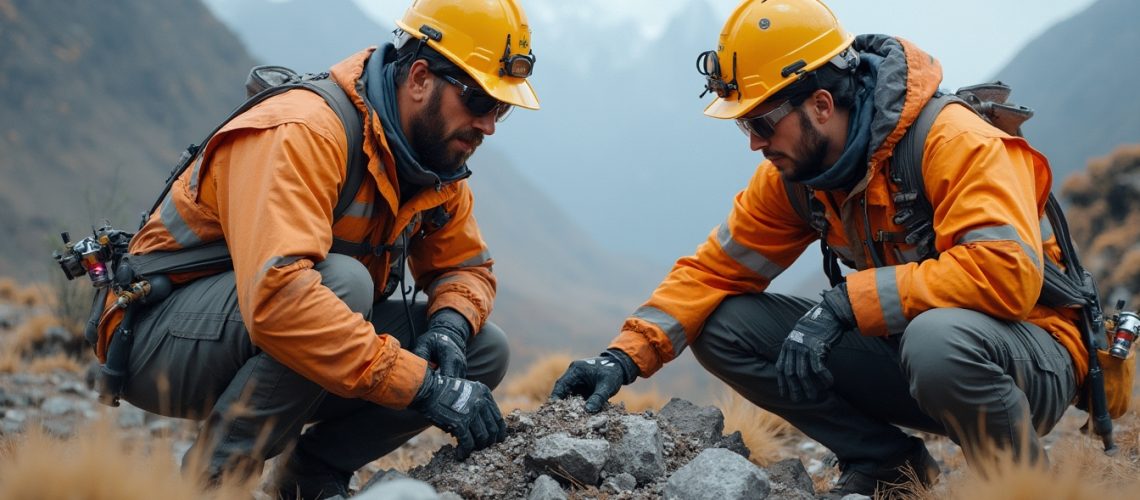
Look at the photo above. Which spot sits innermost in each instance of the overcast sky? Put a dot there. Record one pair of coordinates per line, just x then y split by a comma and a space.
972, 38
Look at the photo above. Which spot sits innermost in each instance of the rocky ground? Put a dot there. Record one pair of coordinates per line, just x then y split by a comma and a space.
555, 450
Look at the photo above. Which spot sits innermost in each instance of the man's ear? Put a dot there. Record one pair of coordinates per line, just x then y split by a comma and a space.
420, 81
822, 105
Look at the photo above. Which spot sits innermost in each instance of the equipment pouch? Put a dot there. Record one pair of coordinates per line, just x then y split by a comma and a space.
1118, 378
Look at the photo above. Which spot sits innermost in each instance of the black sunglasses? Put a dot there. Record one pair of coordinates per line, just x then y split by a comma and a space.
764, 126
478, 102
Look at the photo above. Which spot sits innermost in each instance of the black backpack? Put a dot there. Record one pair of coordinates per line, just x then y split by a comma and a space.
1071, 288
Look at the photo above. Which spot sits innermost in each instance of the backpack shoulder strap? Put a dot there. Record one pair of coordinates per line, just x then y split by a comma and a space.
215, 255
914, 211
356, 166
811, 211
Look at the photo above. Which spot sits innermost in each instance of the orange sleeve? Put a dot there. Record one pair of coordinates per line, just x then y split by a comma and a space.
762, 236
454, 263
987, 190
276, 189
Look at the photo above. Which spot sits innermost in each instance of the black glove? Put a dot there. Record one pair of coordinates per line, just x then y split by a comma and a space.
445, 343
597, 378
462, 408
800, 369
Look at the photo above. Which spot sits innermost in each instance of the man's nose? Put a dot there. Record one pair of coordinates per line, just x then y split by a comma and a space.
486, 123
756, 142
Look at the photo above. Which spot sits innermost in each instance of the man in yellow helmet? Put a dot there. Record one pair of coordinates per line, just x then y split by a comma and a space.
953, 343
300, 331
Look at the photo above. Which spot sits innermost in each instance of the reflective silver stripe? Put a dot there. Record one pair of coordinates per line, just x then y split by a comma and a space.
666, 323
440, 282
478, 260
194, 173
175, 225
746, 257
889, 301
1001, 233
357, 209
1046, 229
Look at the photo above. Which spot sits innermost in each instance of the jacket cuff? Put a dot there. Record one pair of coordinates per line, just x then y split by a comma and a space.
403, 380
638, 348
462, 306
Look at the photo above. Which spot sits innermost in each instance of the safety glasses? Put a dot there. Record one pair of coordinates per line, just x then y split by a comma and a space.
480, 103
708, 64
764, 126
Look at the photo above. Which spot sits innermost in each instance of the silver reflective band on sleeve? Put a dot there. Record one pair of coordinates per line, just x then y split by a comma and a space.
441, 281
1001, 233
1046, 229
666, 323
175, 225
194, 174
746, 257
478, 260
889, 301
357, 209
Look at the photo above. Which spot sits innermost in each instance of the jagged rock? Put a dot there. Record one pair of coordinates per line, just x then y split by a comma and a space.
735, 443
618, 483
402, 488
58, 428
17, 416
792, 474
639, 451
720, 474
546, 488
703, 423
383, 476
855, 496
598, 423
130, 416
58, 406
575, 459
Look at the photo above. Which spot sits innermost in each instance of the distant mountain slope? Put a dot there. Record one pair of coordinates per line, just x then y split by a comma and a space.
97, 100
1080, 76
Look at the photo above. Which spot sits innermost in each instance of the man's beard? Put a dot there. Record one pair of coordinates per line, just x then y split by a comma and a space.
808, 162
430, 140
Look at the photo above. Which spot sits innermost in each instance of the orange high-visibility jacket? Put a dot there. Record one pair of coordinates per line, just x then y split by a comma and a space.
268, 183
988, 190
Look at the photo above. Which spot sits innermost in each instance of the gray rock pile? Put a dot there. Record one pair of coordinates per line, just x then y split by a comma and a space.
560, 451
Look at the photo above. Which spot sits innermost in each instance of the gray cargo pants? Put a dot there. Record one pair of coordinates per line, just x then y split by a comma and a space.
192, 358
954, 372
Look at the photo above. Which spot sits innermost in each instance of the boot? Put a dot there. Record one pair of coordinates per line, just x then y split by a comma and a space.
914, 463
305, 477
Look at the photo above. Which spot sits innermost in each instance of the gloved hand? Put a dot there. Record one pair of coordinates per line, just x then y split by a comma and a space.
597, 378
445, 343
462, 408
800, 369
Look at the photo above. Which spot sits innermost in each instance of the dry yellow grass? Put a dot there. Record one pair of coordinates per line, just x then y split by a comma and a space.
765, 434
52, 363
10, 361
8, 289
31, 331
528, 390
98, 465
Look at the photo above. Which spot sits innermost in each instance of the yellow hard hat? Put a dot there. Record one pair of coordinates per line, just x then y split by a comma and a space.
487, 39
765, 46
